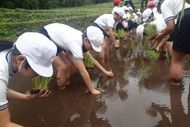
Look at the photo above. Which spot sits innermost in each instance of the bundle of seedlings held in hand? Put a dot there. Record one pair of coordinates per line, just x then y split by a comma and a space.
88, 61
121, 34
151, 55
39, 83
150, 31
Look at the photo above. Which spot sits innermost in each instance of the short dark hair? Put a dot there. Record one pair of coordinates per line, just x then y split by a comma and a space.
5, 44
16, 52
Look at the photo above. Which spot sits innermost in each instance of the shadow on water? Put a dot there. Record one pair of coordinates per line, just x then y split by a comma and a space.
139, 95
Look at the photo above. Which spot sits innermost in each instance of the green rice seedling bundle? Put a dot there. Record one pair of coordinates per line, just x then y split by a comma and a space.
88, 61
150, 31
144, 72
39, 83
121, 33
151, 55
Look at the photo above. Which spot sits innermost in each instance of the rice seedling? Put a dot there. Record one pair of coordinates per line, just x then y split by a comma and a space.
133, 45
88, 61
151, 55
150, 31
39, 83
121, 33
143, 72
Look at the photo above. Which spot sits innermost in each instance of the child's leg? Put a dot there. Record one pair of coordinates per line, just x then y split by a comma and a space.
61, 71
176, 65
66, 58
5, 119
71, 68
169, 47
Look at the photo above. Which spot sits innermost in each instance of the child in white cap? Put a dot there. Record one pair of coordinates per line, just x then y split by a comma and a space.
147, 17
31, 55
73, 44
150, 18
106, 24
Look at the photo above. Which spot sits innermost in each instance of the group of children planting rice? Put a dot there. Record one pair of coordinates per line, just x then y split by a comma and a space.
66, 49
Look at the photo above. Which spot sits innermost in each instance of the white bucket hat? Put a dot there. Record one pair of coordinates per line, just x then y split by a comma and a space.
146, 14
39, 52
95, 36
120, 11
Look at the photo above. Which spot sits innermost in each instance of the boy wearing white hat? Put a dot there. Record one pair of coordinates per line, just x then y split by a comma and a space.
106, 24
147, 17
31, 55
73, 44
157, 20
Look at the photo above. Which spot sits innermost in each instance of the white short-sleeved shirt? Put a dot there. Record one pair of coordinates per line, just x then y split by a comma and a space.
105, 21
4, 77
171, 8
66, 37
140, 31
159, 22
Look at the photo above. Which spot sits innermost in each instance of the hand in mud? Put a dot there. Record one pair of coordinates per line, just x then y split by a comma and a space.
95, 92
41, 93
109, 73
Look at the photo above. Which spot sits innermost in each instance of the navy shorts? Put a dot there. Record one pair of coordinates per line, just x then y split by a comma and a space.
181, 36
103, 31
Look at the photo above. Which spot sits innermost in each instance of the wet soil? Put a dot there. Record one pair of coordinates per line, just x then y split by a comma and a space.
132, 98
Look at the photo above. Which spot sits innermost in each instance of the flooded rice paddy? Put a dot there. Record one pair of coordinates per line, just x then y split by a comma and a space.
139, 95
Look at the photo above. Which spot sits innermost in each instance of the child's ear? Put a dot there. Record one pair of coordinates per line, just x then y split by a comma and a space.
86, 40
20, 58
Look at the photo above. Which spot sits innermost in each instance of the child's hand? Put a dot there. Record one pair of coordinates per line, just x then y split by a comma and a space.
109, 73
41, 93
158, 38
95, 92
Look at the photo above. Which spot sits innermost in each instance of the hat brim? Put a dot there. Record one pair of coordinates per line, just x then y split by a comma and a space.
145, 19
97, 49
45, 71
124, 16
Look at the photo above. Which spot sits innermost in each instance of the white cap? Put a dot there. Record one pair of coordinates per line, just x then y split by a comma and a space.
156, 2
39, 52
125, 8
95, 36
119, 11
138, 12
130, 8
146, 14
113, 10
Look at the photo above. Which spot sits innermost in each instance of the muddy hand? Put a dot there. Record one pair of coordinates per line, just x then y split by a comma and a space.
42, 93
158, 38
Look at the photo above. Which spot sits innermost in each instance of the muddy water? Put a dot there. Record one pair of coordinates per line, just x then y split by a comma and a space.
126, 100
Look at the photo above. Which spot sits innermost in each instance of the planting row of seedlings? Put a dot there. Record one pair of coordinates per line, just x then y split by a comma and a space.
140, 49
